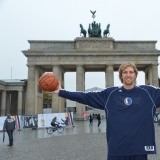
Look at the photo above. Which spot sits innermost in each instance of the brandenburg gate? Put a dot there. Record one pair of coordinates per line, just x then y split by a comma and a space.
95, 53
84, 55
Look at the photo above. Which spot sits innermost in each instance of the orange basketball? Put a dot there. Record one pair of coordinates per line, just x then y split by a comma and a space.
48, 82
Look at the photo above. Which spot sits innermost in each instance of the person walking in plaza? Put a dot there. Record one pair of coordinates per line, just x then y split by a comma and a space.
9, 126
129, 111
99, 119
90, 120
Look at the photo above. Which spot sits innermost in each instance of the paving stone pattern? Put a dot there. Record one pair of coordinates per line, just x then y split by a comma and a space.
79, 145
68, 147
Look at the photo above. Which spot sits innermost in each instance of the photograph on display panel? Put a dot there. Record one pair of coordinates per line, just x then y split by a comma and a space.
28, 121
64, 119
40, 120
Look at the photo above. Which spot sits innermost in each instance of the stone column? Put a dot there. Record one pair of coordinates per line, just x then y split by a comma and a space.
109, 76
13, 106
38, 91
62, 100
148, 75
19, 109
30, 94
8, 103
155, 75
79, 87
3, 103
56, 105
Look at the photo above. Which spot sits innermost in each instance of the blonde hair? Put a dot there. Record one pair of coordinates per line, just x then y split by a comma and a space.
123, 66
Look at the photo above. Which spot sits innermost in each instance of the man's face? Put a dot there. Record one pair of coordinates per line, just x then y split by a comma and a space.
128, 76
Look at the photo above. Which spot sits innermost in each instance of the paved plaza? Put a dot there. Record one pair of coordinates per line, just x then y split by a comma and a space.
78, 143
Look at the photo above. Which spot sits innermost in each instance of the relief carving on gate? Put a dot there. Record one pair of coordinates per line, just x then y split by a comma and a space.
94, 44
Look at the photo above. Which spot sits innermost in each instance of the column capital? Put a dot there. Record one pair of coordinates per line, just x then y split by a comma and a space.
56, 65
31, 65
109, 68
80, 68
79, 65
3, 90
154, 64
109, 65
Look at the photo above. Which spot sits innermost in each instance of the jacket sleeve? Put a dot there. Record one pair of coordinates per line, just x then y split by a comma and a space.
4, 126
154, 92
93, 99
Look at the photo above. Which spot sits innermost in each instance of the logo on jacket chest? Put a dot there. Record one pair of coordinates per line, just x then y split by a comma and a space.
10, 120
127, 101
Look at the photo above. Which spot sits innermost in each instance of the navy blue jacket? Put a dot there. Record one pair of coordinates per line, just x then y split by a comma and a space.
129, 116
9, 124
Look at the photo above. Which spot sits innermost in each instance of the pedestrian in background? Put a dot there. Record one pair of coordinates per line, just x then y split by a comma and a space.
9, 126
99, 119
90, 120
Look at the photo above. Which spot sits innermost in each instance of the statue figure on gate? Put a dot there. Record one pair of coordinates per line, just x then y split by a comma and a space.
93, 14
106, 31
94, 30
83, 31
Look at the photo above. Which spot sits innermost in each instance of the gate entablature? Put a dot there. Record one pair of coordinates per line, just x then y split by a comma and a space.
89, 44
83, 51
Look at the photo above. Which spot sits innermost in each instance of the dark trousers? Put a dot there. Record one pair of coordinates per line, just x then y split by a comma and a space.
10, 135
99, 122
90, 123
132, 157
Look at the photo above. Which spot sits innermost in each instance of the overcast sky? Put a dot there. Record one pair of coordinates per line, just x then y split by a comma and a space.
23, 20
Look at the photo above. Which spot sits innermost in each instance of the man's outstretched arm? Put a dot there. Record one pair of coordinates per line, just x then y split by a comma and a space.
94, 99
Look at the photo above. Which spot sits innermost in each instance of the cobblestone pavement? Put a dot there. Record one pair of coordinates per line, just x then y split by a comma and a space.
78, 143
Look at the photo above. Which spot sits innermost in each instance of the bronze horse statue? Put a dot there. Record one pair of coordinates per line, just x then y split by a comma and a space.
106, 31
89, 31
83, 31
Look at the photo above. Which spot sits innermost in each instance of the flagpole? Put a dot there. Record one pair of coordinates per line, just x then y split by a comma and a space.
11, 72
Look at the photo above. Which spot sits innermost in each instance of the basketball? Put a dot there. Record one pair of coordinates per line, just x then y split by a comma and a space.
48, 82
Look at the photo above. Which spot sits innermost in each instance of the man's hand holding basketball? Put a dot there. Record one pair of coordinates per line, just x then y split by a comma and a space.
58, 88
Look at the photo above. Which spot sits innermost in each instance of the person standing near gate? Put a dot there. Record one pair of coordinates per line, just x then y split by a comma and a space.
9, 126
99, 119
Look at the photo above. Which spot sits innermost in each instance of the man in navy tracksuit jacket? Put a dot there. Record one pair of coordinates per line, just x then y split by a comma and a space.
129, 111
